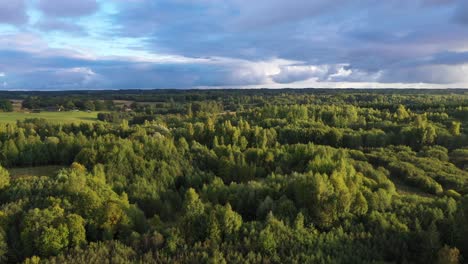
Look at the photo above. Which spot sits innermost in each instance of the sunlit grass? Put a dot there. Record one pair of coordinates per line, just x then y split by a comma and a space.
34, 171
54, 117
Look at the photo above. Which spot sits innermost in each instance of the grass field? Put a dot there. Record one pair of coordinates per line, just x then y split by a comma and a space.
34, 171
55, 117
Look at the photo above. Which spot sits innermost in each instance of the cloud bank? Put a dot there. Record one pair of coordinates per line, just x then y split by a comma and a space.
124, 44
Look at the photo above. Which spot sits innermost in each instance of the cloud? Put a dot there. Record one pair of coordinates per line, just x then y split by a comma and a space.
438, 2
21, 41
60, 8
13, 12
73, 78
461, 12
254, 13
450, 58
59, 25
318, 32
2, 74
436, 74
233, 43
50, 68
294, 73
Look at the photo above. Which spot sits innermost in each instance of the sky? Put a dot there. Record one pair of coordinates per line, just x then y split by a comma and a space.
152, 44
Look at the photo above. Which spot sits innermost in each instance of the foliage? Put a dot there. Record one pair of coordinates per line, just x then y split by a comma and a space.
251, 176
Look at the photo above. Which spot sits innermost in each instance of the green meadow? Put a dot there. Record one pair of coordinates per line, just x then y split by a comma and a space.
54, 117
34, 171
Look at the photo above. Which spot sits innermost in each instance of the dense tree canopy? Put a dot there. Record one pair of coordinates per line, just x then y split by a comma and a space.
235, 176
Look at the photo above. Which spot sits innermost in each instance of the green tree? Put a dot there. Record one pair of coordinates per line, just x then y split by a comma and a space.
231, 221
193, 206
50, 231
402, 113
6, 105
11, 152
4, 178
267, 240
455, 128
360, 206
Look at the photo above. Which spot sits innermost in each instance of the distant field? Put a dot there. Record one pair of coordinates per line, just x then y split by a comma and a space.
17, 104
34, 171
120, 103
57, 117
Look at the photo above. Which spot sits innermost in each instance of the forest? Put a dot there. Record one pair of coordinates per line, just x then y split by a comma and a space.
237, 176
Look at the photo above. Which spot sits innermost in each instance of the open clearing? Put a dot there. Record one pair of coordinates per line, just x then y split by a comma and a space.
34, 171
55, 117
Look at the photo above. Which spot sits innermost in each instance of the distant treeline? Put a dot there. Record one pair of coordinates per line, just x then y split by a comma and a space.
6, 105
66, 103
